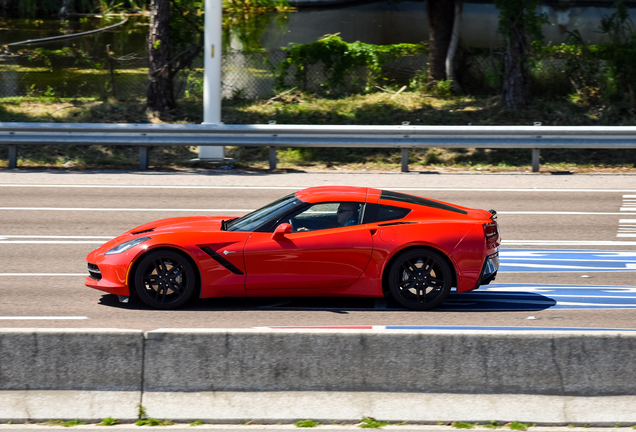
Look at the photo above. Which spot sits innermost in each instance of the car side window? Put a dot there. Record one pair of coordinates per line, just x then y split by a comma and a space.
325, 216
380, 213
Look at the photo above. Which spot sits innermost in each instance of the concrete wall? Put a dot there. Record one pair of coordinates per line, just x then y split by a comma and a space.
267, 375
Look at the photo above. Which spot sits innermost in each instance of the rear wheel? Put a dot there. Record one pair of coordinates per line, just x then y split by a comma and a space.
420, 279
165, 279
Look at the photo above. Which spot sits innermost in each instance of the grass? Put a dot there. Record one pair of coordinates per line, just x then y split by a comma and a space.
153, 422
108, 421
463, 425
306, 423
298, 108
371, 423
518, 426
65, 423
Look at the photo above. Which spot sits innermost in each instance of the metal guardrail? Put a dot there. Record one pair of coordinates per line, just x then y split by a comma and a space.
273, 136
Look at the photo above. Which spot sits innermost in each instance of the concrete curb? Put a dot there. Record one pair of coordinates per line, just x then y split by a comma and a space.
206, 427
264, 375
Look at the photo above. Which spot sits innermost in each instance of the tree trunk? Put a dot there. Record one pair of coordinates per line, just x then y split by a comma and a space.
452, 48
441, 15
160, 90
515, 73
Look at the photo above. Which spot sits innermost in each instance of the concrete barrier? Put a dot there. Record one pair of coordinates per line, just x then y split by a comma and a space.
270, 376
68, 373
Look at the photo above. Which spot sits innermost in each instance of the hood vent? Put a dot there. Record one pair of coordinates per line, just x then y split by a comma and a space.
143, 231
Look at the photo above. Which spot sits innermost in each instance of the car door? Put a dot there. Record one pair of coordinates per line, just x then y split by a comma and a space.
321, 258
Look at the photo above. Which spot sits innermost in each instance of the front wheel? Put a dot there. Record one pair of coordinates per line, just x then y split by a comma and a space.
420, 279
165, 279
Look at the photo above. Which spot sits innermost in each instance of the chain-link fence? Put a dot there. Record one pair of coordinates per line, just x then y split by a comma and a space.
245, 75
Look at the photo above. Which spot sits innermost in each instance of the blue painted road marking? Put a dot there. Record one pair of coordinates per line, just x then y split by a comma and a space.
561, 260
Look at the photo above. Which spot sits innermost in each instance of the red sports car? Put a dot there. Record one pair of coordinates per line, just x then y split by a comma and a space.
322, 241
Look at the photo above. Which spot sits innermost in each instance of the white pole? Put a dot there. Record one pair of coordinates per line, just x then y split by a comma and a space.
212, 74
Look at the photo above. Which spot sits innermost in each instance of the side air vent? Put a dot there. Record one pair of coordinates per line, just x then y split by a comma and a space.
396, 223
143, 231
218, 258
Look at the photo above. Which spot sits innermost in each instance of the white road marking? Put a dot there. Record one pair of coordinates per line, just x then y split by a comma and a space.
44, 274
24, 239
298, 188
626, 228
217, 210
629, 205
27, 239
555, 266
531, 254
50, 242
504, 255
568, 242
43, 318
96, 209
609, 305
4, 237
561, 213
158, 187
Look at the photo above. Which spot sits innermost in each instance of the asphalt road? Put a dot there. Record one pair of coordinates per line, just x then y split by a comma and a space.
568, 257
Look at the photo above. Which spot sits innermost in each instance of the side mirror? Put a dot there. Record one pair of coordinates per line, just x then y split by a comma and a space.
281, 230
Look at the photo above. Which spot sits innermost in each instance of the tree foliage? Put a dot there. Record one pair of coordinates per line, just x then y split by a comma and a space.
605, 71
339, 59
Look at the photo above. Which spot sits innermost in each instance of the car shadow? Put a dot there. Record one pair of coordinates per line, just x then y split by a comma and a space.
489, 301
474, 301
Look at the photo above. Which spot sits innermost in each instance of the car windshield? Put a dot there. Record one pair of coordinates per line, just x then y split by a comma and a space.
271, 212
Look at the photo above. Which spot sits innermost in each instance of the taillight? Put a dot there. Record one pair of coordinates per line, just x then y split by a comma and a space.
490, 229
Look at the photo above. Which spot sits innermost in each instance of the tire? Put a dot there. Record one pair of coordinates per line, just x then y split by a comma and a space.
165, 279
420, 279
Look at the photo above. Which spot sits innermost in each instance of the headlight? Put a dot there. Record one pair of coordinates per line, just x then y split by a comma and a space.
126, 245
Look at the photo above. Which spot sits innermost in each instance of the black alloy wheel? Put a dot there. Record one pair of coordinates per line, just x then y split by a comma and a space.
165, 279
420, 279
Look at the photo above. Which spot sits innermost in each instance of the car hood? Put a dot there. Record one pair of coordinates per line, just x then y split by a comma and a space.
181, 224
189, 224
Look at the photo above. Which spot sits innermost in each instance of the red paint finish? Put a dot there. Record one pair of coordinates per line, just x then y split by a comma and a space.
324, 260
278, 258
